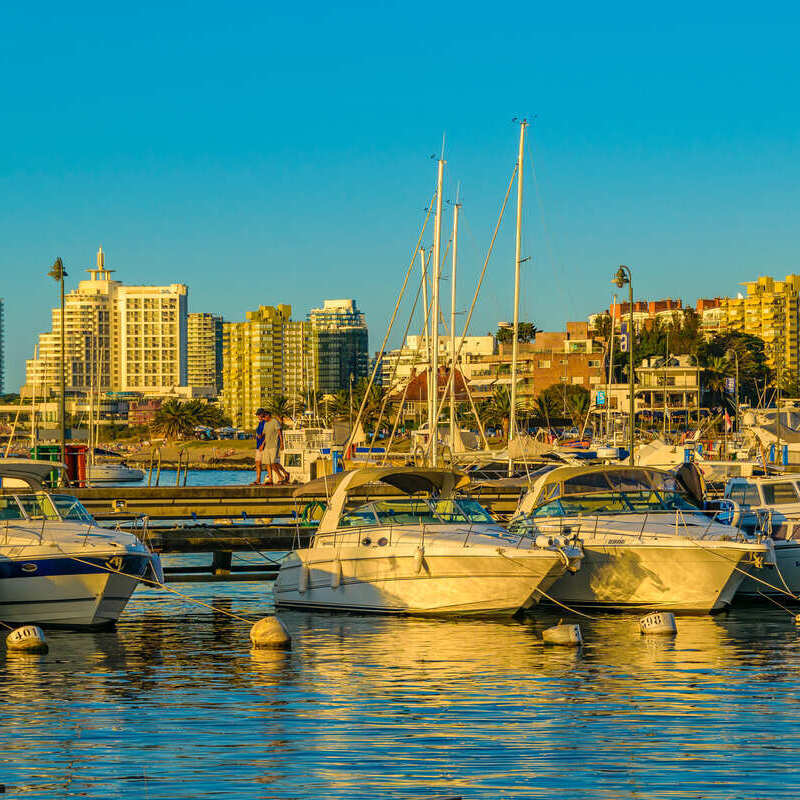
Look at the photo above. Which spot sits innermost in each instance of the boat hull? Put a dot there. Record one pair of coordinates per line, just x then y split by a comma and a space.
783, 578
397, 582
63, 591
114, 473
685, 579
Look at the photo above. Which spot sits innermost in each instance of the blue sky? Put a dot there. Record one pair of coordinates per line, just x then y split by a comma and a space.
263, 154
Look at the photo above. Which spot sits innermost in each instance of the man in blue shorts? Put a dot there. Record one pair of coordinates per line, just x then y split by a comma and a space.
262, 457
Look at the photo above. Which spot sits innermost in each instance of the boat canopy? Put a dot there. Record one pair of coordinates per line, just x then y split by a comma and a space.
407, 479
32, 472
571, 480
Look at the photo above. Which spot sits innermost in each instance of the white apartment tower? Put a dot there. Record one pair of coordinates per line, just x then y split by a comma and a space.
117, 338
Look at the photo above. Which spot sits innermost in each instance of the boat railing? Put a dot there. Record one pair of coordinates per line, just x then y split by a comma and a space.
678, 519
139, 525
155, 461
183, 463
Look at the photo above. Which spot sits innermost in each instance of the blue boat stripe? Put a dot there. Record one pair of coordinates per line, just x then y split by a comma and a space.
135, 565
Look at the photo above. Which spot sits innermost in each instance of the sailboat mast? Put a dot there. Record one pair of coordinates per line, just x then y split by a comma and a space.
424, 267
437, 246
33, 407
453, 331
610, 368
515, 345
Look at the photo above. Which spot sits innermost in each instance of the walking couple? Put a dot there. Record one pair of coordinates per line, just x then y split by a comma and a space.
269, 440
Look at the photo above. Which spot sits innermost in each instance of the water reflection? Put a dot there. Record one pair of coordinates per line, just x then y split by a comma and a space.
175, 704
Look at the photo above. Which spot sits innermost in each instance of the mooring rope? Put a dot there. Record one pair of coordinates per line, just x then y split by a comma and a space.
160, 586
543, 593
745, 572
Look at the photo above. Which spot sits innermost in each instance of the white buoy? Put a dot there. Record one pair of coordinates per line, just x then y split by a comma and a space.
302, 583
419, 555
660, 623
27, 639
564, 635
270, 632
336, 575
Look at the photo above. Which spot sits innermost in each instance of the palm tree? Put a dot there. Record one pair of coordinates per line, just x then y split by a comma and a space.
497, 410
174, 419
373, 404
715, 372
578, 408
544, 408
279, 406
339, 404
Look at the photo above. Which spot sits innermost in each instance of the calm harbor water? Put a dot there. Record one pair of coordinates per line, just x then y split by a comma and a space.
174, 704
200, 477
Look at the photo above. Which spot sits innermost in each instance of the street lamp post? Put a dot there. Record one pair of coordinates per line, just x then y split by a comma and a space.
58, 273
623, 276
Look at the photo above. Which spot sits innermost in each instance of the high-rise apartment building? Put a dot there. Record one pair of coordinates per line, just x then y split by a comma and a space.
340, 344
204, 356
267, 355
771, 311
116, 338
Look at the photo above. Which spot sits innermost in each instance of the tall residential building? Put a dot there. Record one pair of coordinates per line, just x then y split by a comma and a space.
204, 350
267, 355
340, 344
2, 345
771, 311
116, 337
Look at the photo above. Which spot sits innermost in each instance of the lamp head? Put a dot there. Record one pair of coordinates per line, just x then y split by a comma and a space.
57, 271
730, 354
620, 278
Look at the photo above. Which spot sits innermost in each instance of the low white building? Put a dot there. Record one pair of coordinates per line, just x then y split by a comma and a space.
399, 365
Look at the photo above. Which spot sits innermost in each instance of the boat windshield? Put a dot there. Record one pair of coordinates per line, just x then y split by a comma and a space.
417, 510
61, 507
632, 501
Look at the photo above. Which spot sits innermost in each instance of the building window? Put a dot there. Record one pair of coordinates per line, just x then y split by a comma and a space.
576, 381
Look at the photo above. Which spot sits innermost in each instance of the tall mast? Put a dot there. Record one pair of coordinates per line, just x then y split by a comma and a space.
91, 391
515, 346
610, 368
33, 405
437, 246
425, 312
453, 330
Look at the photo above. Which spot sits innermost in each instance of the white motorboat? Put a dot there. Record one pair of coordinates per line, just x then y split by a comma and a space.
645, 546
431, 552
114, 472
770, 505
57, 566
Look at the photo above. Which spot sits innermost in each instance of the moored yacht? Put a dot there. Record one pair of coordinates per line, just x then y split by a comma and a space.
57, 566
645, 546
113, 472
430, 552
770, 505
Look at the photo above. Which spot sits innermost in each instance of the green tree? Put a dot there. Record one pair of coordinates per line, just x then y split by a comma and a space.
526, 333
173, 420
754, 373
371, 407
716, 369
568, 401
279, 406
